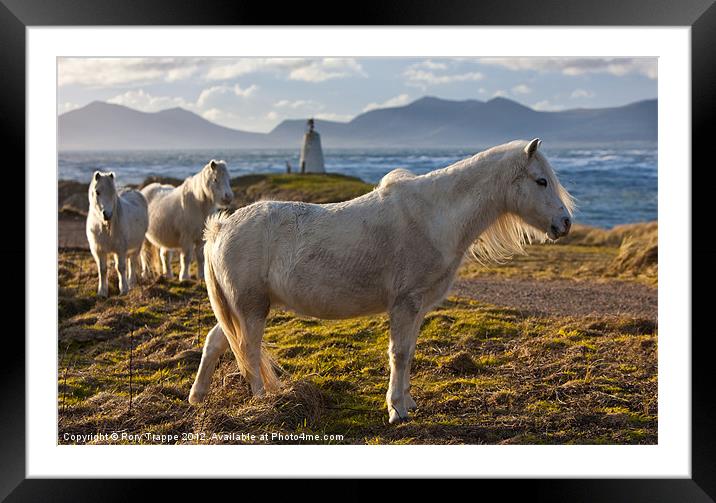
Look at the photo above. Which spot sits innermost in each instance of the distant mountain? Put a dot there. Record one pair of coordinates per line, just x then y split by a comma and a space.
427, 122
105, 126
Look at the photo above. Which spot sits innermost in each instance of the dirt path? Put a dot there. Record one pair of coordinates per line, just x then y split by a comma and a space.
560, 297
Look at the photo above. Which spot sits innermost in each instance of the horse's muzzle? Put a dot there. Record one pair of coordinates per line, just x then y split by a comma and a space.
558, 231
107, 215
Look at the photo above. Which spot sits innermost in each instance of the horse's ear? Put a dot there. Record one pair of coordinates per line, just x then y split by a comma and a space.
111, 174
212, 164
97, 174
532, 147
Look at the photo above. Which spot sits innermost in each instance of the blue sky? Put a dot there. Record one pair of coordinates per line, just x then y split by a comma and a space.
256, 94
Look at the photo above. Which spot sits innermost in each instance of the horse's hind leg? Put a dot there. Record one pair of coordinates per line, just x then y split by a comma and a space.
133, 267
214, 346
404, 326
165, 256
253, 333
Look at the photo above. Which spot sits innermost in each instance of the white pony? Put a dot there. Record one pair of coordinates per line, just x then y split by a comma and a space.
395, 249
177, 215
116, 223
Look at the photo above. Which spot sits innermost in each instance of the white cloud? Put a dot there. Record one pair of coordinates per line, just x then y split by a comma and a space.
245, 93
395, 101
580, 66
326, 69
112, 72
547, 106
334, 117
417, 76
305, 69
522, 89
226, 69
500, 93
430, 65
299, 104
141, 100
219, 116
216, 94
581, 93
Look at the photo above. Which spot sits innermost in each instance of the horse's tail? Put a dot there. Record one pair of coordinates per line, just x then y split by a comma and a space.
151, 266
226, 313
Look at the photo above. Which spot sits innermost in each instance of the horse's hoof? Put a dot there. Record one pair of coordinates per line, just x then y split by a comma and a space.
395, 417
196, 398
102, 295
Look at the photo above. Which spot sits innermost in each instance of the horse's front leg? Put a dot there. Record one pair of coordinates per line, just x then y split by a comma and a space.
185, 261
199, 250
120, 259
101, 261
404, 326
214, 346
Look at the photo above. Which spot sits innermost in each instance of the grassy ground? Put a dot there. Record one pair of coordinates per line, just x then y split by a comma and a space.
482, 374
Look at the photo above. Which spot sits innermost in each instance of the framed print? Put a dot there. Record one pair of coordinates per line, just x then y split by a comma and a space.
450, 243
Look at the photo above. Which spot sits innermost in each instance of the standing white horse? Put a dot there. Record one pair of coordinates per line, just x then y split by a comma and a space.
116, 224
395, 249
177, 215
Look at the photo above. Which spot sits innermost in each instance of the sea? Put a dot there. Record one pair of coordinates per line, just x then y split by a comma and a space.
612, 186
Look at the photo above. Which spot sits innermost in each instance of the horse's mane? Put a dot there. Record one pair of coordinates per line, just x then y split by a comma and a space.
506, 237
394, 177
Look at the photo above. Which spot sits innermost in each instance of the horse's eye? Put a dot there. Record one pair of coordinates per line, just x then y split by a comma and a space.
541, 182
96, 192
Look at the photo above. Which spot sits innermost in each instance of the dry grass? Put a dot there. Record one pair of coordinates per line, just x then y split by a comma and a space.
593, 236
626, 252
482, 374
638, 255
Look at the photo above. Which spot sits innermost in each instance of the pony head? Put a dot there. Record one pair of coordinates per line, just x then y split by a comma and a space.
218, 182
103, 195
537, 196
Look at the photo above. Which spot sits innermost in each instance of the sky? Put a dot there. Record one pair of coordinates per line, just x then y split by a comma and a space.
256, 94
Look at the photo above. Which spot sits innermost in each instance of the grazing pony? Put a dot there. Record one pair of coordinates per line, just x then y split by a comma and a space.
177, 215
116, 223
396, 250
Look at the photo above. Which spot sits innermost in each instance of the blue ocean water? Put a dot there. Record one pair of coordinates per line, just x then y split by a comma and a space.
612, 185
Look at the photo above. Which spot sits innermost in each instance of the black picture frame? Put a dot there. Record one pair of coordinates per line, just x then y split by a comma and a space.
700, 15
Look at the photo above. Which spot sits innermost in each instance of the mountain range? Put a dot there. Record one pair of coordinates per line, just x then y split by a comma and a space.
426, 122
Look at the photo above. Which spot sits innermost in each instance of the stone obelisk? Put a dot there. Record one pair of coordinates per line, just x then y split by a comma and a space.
311, 152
